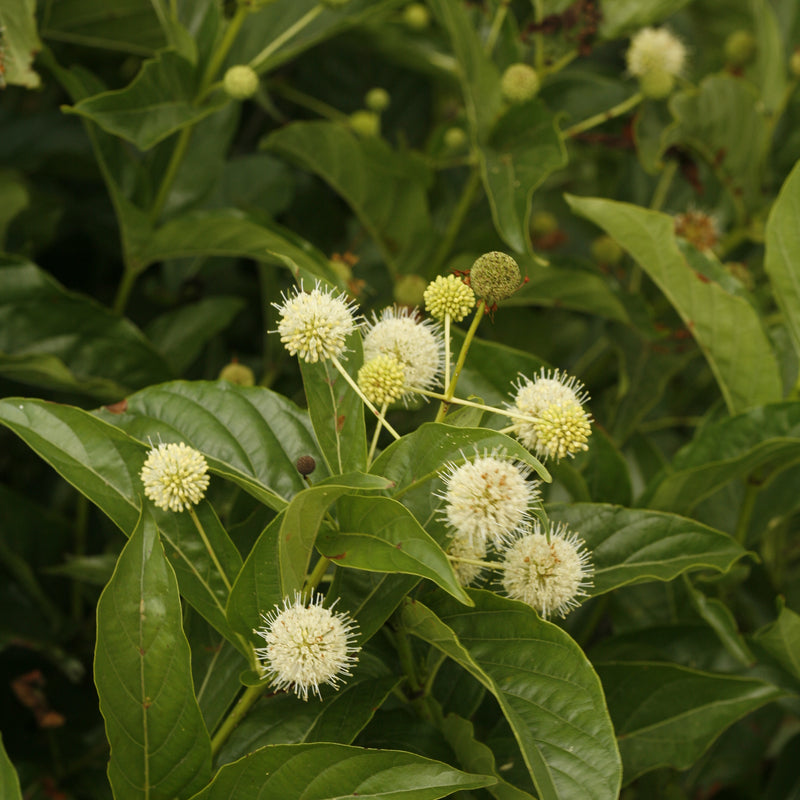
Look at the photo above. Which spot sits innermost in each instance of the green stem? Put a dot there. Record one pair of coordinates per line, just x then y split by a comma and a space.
209, 548
497, 25
752, 488
451, 388
505, 412
373, 446
476, 562
81, 525
446, 349
604, 116
313, 580
259, 61
124, 289
664, 182
454, 226
307, 101
406, 657
238, 712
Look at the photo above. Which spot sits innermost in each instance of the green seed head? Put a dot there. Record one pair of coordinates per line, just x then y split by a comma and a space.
240, 82
455, 138
657, 84
237, 373
409, 290
365, 123
606, 251
740, 48
519, 83
543, 223
377, 99
494, 277
416, 16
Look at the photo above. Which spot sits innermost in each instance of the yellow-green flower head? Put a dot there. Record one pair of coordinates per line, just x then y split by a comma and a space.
240, 82
494, 277
470, 547
175, 476
417, 344
306, 646
656, 50
237, 373
550, 574
740, 48
488, 498
562, 426
448, 295
520, 83
416, 16
314, 325
365, 123
606, 250
455, 138
377, 99
382, 379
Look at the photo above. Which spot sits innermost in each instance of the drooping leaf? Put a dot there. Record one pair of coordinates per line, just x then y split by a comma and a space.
726, 327
327, 771
9, 781
19, 43
630, 545
667, 716
159, 744
546, 688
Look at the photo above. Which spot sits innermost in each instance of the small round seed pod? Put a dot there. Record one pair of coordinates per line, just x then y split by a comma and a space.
494, 277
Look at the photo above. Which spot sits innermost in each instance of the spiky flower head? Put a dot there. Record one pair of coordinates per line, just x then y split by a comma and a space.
472, 548
520, 83
562, 426
240, 82
382, 379
655, 50
549, 573
494, 277
487, 498
175, 476
314, 325
306, 645
449, 295
416, 344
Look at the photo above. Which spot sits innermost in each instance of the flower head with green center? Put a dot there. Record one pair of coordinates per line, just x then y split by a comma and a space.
655, 50
551, 573
314, 325
175, 476
306, 645
488, 498
449, 295
382, 379
472, 548
562, 426
416, 344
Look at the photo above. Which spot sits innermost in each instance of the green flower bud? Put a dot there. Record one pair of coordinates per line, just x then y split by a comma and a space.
377, 99
416, 16
657, 85
455, 138
409, 289
237, 373
740, 48
365, 123
519, 83
240, 82
605, 250
494, 277
543, 223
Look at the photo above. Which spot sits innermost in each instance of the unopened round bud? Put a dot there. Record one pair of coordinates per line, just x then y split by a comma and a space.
455, 138
794, 63
519, 83
494, 277
657, 84
237, 373
365, 123
543, 223
377, 99
740, 48
416, 16
240, 82
306, 465
409, 289
605, 250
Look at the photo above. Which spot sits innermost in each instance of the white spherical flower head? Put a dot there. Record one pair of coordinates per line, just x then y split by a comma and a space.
562, 426
449, 295
306, 646
416, 344
466, 547
549, 574
488, 498
175, 476
314, 325
655, 50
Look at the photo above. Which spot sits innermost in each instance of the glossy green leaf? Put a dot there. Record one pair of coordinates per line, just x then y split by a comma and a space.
20, 42
9, 781
770, 66
668, 716
726, 328
546, 688
336, 411
767, 437
57, 339
385, 188
249, 435
630, 545
782, 640
328, 771
157, 103
159, 745
523, 149
621, 17
379, 534
782, 258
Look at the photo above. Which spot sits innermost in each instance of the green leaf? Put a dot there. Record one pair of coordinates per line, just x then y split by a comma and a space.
387, 189
668, 716
19, 43
9, 781
62, 340
328, 771
782, 257
14, 197
726, 328
771, 62
621, 17
764, 438
159, 745
782, 640
631, 545
380, 535
156, 104
556, 710
336, 411
523, 149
